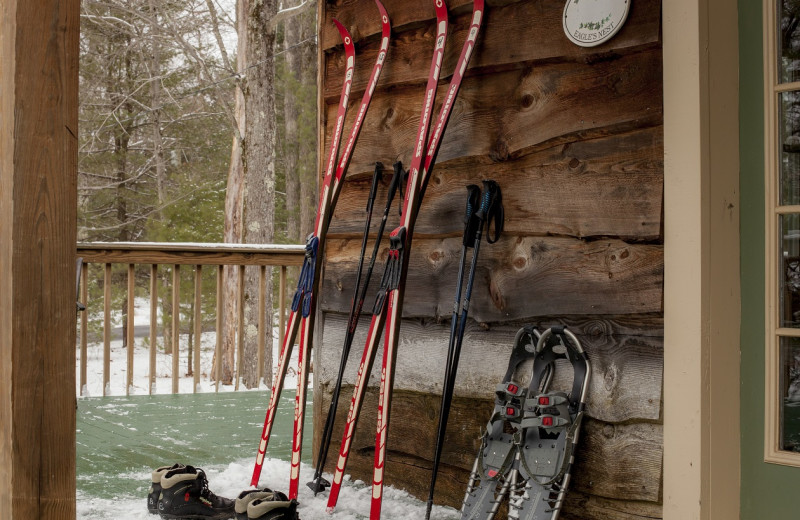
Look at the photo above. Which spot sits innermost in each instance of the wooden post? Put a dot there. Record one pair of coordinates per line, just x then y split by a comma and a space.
38, 195
263, 330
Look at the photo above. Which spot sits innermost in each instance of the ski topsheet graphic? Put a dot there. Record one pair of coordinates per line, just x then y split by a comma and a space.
388, 305
301, 317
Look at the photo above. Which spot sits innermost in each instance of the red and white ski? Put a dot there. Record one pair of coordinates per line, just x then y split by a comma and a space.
399, 255
388, 305
303, 308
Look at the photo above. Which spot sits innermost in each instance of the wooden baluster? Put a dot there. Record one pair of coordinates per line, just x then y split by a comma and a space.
198, 324
84, 323
262, 325
129, 339
240, 326
153, 325
218, 346
107, 330
176, 332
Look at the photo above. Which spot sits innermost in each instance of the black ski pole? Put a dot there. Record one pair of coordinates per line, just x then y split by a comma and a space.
490, 210
359, 293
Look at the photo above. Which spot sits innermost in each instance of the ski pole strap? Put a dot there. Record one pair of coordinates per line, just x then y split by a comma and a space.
494, 212
397, 242
471, 220
306, 280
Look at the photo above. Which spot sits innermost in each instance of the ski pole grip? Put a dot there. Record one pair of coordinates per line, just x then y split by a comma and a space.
398, 175
471, 223
495, 214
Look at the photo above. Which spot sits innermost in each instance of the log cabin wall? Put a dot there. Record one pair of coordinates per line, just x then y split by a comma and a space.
574, 137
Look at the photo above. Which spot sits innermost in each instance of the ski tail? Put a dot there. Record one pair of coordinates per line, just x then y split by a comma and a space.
277, 387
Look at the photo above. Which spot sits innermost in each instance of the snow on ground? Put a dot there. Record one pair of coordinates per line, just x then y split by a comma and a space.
224, 480
354, 500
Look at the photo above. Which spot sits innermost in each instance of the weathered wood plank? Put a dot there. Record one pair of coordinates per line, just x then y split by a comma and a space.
535, 26
618, 462
627, 365
609, 186
580, 506
191, 254
507, 114
516, 278
38, 185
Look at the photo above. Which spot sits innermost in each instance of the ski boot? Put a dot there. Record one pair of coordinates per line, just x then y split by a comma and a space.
275, 507
155, 487
185, 495
548, 434
488, 482
247, 496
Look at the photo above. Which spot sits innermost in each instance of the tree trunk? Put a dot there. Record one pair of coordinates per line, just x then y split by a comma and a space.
259, 173
233, 207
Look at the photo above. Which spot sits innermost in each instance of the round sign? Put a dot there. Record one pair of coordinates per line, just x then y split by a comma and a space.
591, 22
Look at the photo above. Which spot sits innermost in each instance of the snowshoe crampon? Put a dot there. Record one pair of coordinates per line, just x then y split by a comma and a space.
489, 480
549, 428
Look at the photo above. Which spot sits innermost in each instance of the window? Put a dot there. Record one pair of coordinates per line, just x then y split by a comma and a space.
782, 125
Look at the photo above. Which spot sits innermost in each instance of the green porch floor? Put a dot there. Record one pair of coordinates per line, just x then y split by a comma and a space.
121, 439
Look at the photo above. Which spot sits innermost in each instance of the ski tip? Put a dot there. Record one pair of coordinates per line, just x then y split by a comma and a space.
441, 10
346, 38
385, 22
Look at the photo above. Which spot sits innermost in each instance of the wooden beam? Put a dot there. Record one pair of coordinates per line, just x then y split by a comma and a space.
38, 194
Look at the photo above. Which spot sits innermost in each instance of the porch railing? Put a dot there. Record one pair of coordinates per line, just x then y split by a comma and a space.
173, 256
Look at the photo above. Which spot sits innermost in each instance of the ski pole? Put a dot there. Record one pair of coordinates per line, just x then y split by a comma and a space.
472, 236
318, 483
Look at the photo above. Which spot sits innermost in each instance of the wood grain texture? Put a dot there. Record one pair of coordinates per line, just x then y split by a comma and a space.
516, 278
39, 121
513, 32
608, 186
574, 136
505, 114
621, 462
627, 367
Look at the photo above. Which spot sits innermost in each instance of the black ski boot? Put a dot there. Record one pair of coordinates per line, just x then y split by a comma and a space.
277, 507
185, 495
247, 496
155, 487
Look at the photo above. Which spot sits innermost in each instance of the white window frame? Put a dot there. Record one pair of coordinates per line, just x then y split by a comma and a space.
774, 332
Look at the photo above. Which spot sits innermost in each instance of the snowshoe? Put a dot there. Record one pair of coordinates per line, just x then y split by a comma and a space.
488, 482
155, 487
247, 496
275, 507
549, 429
185, 495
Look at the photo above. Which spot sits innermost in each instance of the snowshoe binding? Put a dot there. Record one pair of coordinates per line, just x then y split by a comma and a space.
488, 482
549, 428
185, 496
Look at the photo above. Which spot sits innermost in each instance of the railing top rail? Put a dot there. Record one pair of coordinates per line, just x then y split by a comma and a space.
190, 253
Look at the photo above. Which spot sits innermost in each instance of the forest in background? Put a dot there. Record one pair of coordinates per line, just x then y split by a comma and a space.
197, 123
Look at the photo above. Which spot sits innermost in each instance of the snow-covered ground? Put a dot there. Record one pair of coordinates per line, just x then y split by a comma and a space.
224, 479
